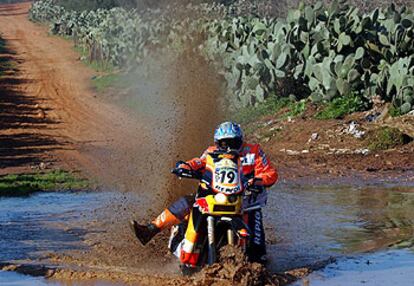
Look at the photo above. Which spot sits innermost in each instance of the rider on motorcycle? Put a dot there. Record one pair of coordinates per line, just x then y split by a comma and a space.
256, 169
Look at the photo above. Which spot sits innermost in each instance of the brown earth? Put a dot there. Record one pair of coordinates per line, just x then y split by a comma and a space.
333, 153
50, 117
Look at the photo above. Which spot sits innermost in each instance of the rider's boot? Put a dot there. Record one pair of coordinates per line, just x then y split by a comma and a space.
145, 233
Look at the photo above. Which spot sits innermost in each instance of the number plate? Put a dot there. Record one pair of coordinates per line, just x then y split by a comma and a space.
226, 178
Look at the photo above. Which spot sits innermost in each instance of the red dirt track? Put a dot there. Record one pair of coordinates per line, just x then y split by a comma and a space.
50, 90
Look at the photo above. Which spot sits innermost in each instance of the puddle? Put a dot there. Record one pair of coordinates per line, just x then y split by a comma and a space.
393, 267
305, 224
45, 222
16, 279
313, 223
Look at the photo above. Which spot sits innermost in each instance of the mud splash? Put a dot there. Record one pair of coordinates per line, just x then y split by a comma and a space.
176, 99
233, 269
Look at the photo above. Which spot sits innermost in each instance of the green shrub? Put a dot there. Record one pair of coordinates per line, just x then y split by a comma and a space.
394, 111
386, 138
341, 106
319, 51
296, 108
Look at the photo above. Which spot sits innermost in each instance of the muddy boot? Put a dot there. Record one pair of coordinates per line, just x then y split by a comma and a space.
144, 233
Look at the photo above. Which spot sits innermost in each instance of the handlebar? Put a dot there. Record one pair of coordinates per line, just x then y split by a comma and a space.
185, 173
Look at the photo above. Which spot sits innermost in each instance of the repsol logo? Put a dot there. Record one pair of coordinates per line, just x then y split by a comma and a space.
257, 228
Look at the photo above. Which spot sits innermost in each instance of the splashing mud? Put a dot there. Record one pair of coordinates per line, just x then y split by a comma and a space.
233, 269
176, 98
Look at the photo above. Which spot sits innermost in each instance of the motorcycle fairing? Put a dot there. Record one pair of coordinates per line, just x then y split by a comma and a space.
223, 173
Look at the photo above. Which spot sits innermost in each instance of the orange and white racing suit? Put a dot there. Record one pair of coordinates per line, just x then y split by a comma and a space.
254, 165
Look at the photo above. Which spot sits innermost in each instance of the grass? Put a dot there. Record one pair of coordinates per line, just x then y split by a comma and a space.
296, 108
386, 138
341, 106
394, 111
101, 83
26, 184
109, 79
270, 106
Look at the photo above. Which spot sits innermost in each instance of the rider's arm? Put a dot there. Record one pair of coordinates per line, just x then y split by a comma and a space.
199, 164
264, 170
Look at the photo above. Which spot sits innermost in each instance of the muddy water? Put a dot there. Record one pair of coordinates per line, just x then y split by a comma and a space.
314, 223
16, 279
304, 224
47, 222
392, 267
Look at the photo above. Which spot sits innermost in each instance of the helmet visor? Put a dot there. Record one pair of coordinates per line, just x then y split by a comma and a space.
232, 143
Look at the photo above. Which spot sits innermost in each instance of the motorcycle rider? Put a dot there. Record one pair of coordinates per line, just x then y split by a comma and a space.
256, 169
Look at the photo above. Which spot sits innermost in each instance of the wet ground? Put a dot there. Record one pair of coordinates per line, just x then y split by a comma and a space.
46, 222
305, 224
16, 279
392, 267
314, 223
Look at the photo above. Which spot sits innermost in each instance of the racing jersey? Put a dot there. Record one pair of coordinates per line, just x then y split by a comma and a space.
254, 163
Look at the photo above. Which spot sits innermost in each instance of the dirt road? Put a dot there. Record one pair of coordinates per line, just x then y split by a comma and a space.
50, 111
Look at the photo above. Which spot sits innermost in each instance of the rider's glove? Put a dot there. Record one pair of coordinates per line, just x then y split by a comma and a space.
184, 166
255, 182
181, 167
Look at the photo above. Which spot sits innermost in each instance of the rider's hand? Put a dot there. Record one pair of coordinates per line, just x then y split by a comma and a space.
181, 168
255, 182
184, 166
255, 185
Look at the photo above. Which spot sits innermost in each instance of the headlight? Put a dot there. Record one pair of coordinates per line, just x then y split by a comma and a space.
220, 198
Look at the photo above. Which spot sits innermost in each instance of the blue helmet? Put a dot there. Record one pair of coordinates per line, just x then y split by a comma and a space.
228, 135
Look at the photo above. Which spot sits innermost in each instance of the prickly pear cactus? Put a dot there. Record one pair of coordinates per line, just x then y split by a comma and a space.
316, 51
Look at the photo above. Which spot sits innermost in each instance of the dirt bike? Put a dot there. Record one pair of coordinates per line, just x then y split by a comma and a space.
219, 201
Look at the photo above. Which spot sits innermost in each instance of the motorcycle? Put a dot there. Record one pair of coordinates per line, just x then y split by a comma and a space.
222, 201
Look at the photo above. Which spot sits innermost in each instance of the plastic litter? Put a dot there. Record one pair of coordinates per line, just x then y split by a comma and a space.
353, 130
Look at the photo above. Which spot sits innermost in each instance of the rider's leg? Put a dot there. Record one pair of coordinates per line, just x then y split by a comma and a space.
169, 217
189, 254
256, 248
